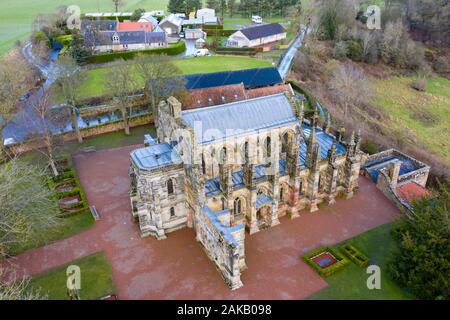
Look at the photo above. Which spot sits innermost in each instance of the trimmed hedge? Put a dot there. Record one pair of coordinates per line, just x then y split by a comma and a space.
326, 272
354, 255
171, 50
66, 176
219, 32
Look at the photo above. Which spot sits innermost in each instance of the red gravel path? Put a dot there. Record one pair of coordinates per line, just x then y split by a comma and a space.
177, 268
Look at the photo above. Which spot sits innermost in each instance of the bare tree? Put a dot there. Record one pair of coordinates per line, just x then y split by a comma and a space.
69, 80
117, 4
160, 77
27, 208
14, 82
350, 86
19, 289
49, 122
120, 83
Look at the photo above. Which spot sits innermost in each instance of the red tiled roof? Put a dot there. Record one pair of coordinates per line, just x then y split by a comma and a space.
214, 96
267, 91
412, 191
134, 26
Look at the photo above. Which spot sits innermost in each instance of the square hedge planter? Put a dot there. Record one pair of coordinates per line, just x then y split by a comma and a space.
326, 260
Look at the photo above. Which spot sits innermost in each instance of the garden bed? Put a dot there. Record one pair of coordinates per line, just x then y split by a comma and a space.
68, 191
325, 260
354, 255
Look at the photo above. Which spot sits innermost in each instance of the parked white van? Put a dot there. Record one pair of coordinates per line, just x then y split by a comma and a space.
201, 53
257, 19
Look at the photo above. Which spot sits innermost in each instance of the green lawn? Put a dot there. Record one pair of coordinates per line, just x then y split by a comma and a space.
16, 16
422, 117
350, 283
96, 279
234, 23
69, 227
94, 85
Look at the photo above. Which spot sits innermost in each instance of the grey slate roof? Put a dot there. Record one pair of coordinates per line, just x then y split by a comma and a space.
99, 25
263, 30
126, 37
241, 117
155, 157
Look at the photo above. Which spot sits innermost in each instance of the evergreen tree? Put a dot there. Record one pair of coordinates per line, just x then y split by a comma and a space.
213, 4
78, 50
422, 263
193, 5
177, 6
232, 6
222, 7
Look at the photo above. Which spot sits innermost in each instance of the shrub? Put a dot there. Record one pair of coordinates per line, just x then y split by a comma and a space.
354, 255
326, 272
419, 85
171, 50
441, 65
340, 50
370, 147
68, 173
355, 50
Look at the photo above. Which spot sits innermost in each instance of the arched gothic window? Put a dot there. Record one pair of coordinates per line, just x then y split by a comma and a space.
237, 207
172, 212
284, 143
268, 147
203, 164
170, 186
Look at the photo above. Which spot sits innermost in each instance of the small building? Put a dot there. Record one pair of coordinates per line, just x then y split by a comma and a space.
171, 24
194, 34
257, 35
200, 43
206, 13
209, 21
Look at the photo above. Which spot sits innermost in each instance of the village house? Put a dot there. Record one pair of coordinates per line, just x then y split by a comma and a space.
258, 35
171, 25
193, 34
109, 35
107, 41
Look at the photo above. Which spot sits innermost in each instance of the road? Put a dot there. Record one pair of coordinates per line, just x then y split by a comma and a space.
286, 62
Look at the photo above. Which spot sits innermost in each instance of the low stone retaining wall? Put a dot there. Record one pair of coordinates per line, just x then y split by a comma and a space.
87, 132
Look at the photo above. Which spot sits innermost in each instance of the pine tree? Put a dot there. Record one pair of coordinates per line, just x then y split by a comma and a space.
232, 6
177, 6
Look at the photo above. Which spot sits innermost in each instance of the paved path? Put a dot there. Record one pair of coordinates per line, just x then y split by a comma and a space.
286, 62
177, 268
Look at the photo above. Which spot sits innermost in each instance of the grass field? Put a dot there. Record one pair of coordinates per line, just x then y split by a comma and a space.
93, 84
16, 16
96, 279
421, 117
350, 283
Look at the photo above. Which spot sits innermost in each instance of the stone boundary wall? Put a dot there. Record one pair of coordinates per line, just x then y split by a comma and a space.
87, 132
384, 185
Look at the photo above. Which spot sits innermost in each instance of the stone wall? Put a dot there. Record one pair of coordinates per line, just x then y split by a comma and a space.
86, 132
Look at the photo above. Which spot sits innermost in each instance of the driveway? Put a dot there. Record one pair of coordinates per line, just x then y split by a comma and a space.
177, 268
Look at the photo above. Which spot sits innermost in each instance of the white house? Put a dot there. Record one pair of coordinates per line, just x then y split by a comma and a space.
206, 13
171, 24
194, 34
257, 35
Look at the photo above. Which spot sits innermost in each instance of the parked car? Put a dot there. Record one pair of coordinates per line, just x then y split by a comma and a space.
201, 53
257, 19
